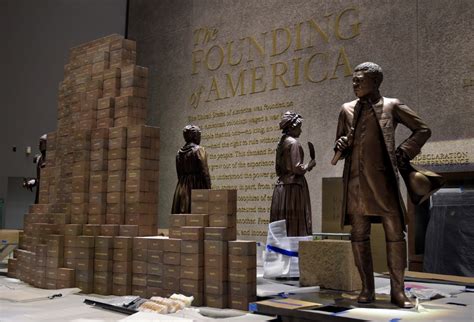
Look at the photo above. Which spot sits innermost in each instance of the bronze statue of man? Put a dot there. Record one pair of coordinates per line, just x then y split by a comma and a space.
290, 200
366, 139
40, 161
191, 166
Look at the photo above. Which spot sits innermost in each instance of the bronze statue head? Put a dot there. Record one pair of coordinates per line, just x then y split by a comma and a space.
42, 143
192, 134
290, 124
366, 79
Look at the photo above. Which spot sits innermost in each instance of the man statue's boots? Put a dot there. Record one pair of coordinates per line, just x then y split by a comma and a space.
363, 260
397, 261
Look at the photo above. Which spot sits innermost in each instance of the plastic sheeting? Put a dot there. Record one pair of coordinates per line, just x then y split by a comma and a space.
449, 243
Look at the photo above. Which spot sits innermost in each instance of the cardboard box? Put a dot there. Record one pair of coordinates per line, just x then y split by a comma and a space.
191, 286
109, 230
223, 208
140, 243
85, 264
104, 242
103, 265
199, 207
140, 291
220, 233
216, 273
102, 289
123, 254
199, 220
175, 233
192, 260
171, 283
222, 195
243, 276
123, 242
171, 270
242, 248
85, 277
139, 267
217, 301
222, 220
129, 230
85, 241
155, 256
192, 272
178, 220
122, 267
243, 290
154, 291
242, 262
216, 247
192, 246
172, 245
121, 290
240, 302
139, 279
91, 229
104, 253
215, 261
54, 262
153, 269
200, 195
192, 233
122, 278
140, 254
215, 287
171, 258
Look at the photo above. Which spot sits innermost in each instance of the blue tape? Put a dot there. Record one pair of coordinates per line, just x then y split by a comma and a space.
252, 307
282, 251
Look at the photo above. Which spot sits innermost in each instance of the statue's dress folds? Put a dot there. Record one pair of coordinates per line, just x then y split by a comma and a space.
193, 173
291, 199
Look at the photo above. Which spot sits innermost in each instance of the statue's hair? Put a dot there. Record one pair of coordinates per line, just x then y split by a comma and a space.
190, 132
373, 70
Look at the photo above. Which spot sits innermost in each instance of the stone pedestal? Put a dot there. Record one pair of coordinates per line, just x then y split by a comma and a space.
329, 264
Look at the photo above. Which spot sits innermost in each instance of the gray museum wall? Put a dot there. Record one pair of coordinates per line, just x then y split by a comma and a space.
36, 37
296, 55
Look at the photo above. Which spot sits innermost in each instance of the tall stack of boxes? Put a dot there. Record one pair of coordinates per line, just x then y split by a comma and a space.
154, 269
93, 189
242, 273
139, 266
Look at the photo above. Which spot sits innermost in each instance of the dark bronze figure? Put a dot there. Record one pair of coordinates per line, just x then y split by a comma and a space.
191, 166
366, 139
40, 161
290, 200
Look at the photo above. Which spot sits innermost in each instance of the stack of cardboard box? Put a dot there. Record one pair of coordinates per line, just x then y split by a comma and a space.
139, 266
242, 273
154, 269
83, 191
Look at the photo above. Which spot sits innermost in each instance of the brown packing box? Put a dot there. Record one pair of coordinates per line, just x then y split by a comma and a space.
115, 219
242, 248
220, 233
199, 220
216, 273
155, 243
200, 195
129, 230
102, 289
122, 278
191, 286
215, 287
85, 241
104, 242
222, 220
222, 195
109, 230
172, 245
70, 241
199, 207
122, 267
171, 258
85, 276
246, 290
103, 277
171, 270
240, 302
91, 230
140, 291
115, 197
103, 265
155, 256
140, 254
51, 273
116, 165
222, 208
98, 209
139, 267
154, 291
175, 233
215, 247
123, 254
215, 261
192, 233
217, 301
154, 270
83, 253
243, 275
85, 264
192, 272
104, 253
70, 262
96, 219
54, 262
192, 246
140, 243
97, 197
105, 103
192, 260
171, 283
51, 284
123, 242
177, 220
121, 290
139, 279
78, 219
65, 284
242, 262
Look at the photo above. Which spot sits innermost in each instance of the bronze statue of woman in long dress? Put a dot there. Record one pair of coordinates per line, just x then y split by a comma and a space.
191, 166
291, 199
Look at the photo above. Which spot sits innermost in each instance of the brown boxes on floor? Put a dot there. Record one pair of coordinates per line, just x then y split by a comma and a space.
79, 255
141, 198
103, 264
242, 273
116, 175
155, 246
215, 273
122, 267
139, 266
